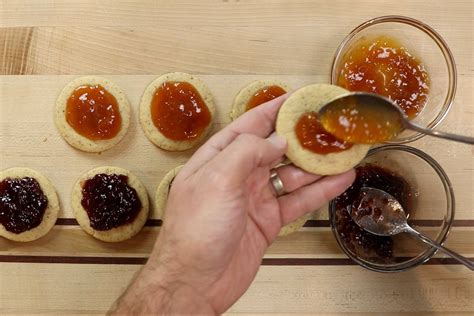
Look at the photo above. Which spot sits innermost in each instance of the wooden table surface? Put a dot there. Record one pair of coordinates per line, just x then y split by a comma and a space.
45, 44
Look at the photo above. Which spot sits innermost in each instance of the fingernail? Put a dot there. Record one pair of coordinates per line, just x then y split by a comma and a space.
277, 140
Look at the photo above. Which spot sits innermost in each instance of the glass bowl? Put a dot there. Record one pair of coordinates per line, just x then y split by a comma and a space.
432, 210
430, 48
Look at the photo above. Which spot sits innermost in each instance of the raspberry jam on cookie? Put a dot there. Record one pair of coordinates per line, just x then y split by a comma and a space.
109, 201
22, 204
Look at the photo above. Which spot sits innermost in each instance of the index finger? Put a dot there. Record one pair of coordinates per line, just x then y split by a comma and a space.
259, 121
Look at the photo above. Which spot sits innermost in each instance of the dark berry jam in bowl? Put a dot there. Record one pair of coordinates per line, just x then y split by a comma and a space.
422, 187
403, 59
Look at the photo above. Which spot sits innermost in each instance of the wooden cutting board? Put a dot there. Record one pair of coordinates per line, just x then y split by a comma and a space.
46, 44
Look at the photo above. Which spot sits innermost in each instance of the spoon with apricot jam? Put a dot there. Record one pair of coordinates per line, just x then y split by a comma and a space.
367, 118
379, 213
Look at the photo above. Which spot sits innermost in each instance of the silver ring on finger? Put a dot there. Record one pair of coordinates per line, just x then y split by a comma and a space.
277, 183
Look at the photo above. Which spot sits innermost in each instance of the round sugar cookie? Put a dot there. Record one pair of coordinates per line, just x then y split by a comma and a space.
295, 225
50, 214
77, 140
161, 197
146, 121
308, 99
243, 97
124, 231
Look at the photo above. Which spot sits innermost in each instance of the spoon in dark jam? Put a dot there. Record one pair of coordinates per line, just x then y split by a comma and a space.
381, 214
367, 118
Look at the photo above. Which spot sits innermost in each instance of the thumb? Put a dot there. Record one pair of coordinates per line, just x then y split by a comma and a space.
245, 154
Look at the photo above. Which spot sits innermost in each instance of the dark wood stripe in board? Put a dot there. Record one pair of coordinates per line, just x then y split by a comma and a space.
437, 223
463, 222
340, 261
316, 223
66, 222
140, 261
76, 260
419, 222
73, 222
153, 222
307, 262
310, 223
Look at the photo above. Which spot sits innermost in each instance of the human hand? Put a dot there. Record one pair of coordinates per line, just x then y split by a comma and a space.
221, 216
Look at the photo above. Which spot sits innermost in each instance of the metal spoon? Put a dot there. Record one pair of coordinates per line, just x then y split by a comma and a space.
367, 118
381, 214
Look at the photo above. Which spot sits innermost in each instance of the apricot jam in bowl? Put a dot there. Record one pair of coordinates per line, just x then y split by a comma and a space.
423, 189
402, 59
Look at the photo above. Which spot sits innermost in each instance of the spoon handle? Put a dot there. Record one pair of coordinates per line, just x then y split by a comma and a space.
455, 137
468, 263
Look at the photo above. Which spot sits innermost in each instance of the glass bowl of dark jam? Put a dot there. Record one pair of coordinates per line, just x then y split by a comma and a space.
422, 187
403, 59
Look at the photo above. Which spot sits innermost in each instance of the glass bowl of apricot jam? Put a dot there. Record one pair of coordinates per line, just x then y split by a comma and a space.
403, 59
421, 186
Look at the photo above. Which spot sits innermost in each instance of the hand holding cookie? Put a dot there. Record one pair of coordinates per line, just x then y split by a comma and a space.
221, 216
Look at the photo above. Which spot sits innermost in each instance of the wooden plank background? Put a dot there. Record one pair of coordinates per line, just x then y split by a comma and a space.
45, 44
